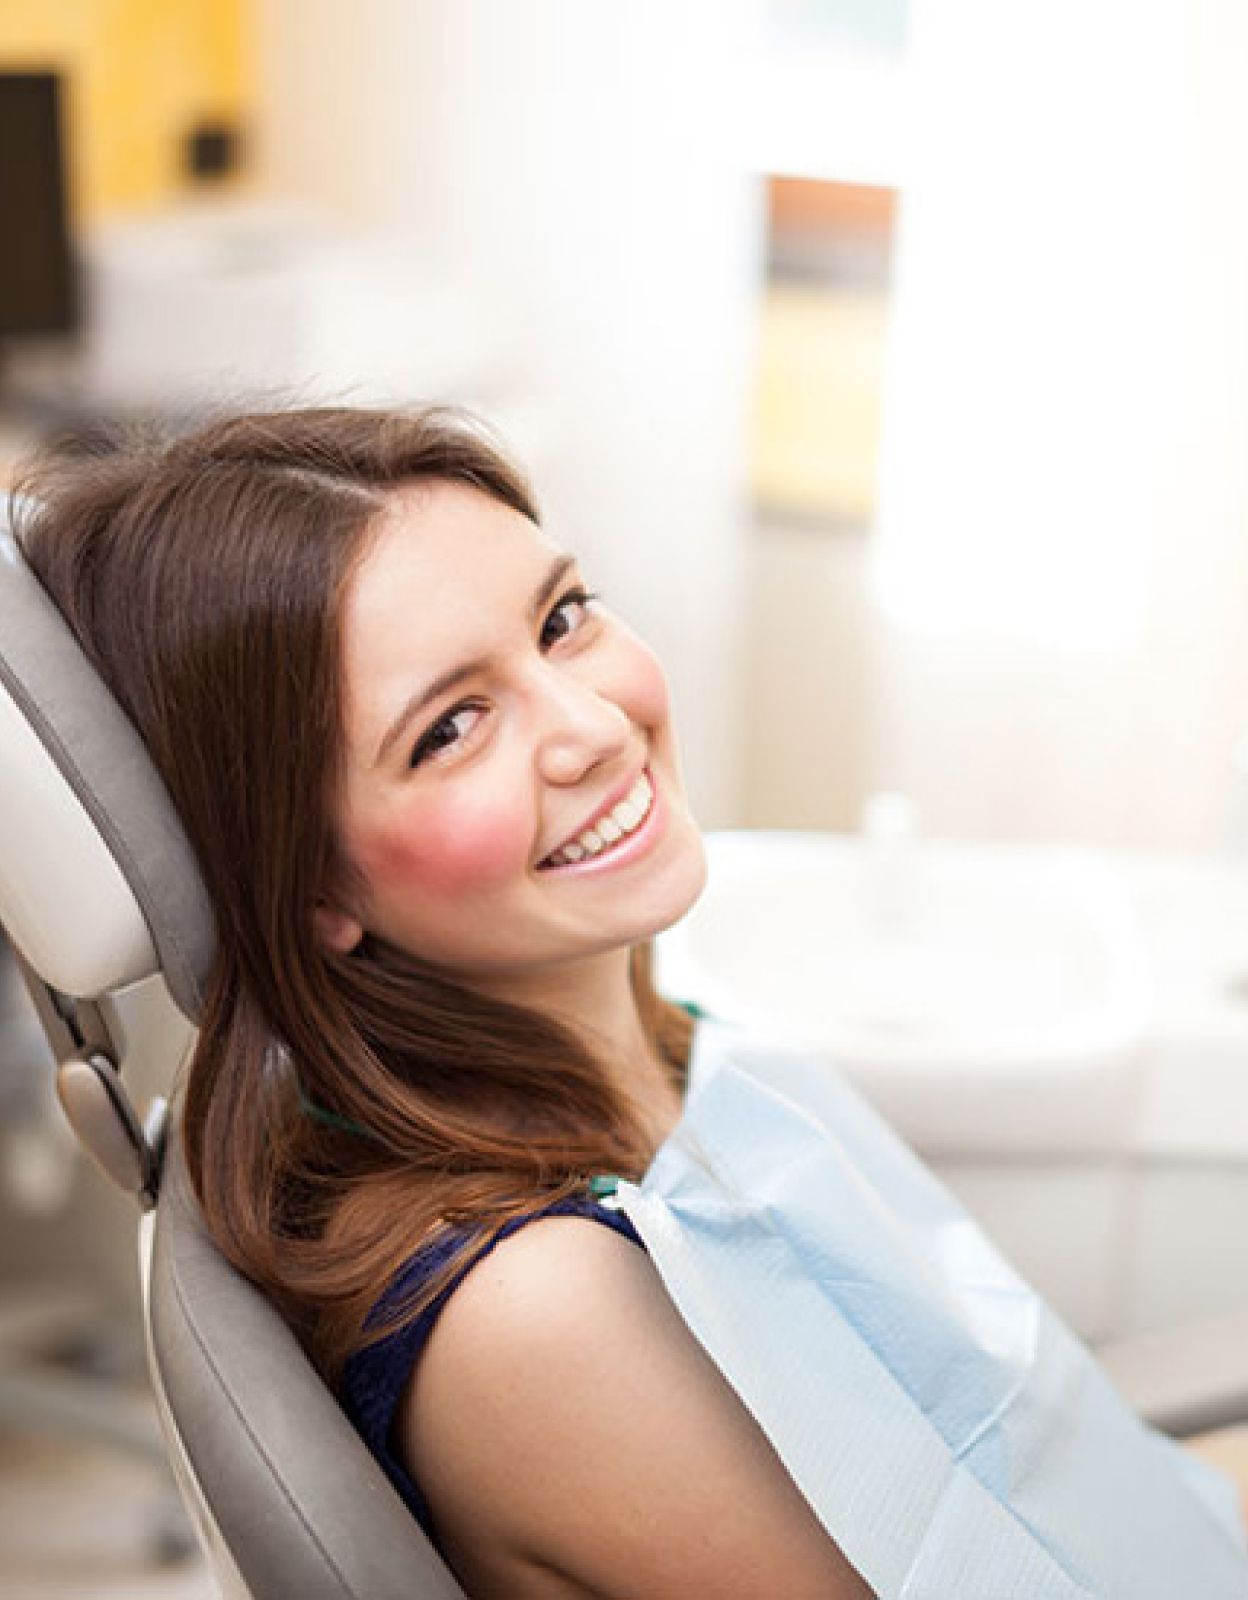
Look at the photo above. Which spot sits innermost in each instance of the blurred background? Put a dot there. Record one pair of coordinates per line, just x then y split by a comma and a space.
886, 364
889, 371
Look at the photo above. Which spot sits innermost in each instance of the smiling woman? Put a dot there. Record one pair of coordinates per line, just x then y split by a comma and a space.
434, 790
433, 786
527, 715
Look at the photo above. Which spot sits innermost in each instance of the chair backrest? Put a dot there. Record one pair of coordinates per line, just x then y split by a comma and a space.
99, 889
298, 1500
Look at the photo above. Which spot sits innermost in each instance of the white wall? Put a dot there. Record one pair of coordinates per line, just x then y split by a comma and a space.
1063, 552
580, 160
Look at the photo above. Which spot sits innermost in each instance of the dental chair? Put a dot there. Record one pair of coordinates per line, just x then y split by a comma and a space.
101, 897
102, 900
66, 1346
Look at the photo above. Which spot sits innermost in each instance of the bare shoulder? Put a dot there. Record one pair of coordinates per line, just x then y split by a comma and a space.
573, 1438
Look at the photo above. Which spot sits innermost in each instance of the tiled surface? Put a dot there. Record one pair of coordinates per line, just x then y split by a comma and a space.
83, 1522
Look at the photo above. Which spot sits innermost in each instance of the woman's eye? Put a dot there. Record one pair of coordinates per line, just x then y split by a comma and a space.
567, 616
448, 730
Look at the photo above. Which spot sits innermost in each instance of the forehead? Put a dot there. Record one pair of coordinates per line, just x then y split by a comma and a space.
446, 570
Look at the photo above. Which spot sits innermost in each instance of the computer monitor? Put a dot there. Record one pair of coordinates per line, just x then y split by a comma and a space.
38, 289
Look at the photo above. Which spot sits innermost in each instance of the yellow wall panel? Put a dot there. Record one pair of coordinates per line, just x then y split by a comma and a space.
817, 417
139, 75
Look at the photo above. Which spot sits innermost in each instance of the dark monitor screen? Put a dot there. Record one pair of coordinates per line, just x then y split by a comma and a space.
37, 285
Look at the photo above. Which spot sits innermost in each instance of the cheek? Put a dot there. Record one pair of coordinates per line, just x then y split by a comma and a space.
449, 850
643, 685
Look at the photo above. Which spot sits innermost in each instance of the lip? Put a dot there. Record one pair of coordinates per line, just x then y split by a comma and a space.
630, 847
621, 792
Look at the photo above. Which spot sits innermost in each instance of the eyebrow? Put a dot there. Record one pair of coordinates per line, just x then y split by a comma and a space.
453, 676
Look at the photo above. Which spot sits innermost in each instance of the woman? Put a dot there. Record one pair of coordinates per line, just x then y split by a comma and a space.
433, 786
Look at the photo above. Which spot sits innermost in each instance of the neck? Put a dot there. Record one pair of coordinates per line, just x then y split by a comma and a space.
595, 998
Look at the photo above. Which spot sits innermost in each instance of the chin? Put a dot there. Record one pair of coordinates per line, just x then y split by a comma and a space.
686, 880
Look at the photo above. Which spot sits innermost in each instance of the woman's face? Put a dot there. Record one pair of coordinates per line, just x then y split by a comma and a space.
495, 718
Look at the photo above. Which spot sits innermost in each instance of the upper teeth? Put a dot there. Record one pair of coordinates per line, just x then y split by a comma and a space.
623, 818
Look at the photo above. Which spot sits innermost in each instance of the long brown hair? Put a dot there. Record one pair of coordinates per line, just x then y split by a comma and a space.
204, 578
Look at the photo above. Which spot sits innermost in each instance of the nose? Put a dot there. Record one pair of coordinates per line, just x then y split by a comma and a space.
580, 727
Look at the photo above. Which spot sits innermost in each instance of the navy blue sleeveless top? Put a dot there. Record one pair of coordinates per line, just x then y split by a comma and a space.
374, 1378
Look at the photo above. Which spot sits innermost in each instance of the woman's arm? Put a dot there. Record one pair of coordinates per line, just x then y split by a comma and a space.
573, 1439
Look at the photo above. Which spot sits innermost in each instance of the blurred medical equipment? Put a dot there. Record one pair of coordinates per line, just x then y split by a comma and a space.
245, 298
244, 301
38, 292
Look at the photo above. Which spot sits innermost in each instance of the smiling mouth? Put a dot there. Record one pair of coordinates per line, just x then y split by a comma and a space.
610, 829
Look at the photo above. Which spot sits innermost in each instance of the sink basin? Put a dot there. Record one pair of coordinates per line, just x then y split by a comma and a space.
982, 993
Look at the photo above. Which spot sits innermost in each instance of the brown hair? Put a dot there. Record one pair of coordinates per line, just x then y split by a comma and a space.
204, 578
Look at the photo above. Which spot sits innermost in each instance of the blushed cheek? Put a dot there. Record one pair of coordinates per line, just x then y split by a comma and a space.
451, 851
655, 691
642, 686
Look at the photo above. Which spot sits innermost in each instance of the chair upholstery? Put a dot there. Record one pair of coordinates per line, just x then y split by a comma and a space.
296, 1495
104, 889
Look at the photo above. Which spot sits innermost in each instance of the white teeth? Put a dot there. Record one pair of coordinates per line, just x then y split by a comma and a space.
622, 819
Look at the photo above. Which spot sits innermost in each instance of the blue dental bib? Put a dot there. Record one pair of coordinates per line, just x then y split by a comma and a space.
953, 1436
